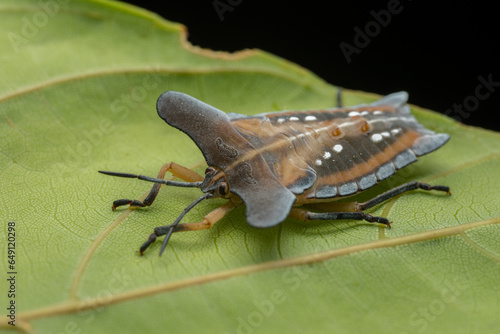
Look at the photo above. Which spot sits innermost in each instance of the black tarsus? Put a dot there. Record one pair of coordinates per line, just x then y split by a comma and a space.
151, 239
357, 215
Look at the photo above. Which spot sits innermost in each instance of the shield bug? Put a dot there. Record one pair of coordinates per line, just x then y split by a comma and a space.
282, 164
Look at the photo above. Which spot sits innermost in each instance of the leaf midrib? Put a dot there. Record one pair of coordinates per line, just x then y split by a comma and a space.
73, 306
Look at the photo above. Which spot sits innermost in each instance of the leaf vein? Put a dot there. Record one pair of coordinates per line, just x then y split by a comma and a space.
72, 306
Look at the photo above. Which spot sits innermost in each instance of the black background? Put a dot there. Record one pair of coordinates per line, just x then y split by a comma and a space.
436, 52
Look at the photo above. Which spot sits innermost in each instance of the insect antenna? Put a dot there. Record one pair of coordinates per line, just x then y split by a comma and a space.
153, 179
171, 227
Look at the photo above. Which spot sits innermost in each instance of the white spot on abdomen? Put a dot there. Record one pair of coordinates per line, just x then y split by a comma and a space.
376, 138
338, 148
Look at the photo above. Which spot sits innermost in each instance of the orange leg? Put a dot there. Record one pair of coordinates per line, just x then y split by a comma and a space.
207, 222
179, 171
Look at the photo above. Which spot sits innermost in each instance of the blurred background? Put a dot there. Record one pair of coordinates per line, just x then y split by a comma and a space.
445, 56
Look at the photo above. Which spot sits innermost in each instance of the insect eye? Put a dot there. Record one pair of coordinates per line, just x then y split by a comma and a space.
209, 170
223, 189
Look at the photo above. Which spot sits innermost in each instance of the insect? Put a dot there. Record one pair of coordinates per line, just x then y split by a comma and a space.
279, 164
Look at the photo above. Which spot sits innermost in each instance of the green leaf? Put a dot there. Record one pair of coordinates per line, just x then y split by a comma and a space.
79, 84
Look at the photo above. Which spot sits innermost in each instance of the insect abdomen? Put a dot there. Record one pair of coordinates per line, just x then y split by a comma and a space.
320, 155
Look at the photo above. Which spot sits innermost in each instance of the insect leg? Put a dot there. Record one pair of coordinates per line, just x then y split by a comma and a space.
177, 170
354, 210
208, 221
305, 215
399, 190
339, 98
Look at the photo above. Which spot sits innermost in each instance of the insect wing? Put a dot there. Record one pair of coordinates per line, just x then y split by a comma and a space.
268, 202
